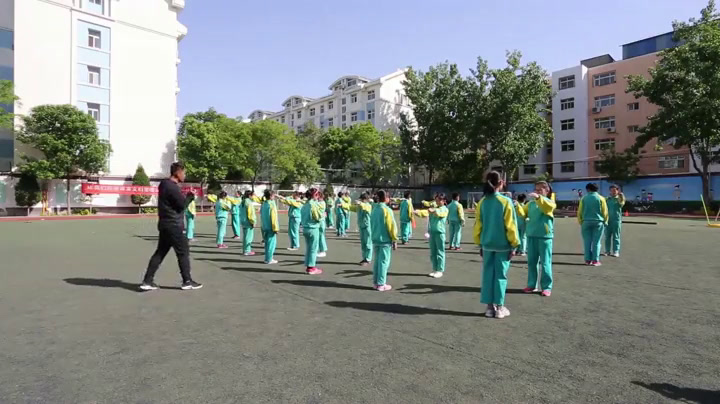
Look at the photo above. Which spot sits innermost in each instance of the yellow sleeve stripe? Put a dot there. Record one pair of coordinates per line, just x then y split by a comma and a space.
390, 224
580, 211
511, 231
477, 230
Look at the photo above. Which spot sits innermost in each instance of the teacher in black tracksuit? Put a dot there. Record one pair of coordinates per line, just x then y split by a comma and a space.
171, 223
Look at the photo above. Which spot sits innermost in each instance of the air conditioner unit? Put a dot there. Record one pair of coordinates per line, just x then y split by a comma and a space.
611, 130
596, 110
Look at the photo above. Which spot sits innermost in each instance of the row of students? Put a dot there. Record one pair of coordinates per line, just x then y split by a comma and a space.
598, 215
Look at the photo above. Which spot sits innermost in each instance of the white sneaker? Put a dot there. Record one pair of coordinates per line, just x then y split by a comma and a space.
502, 312
322, 255
438, 275
490, 311
432, 274
271, 262
616, 255
291, 249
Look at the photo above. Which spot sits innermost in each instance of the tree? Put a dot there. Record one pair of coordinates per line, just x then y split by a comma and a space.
434, 135
68, 139
27, 191
510, 117
140, 178
619, 167
334, 152
272, 150
201, 146
7, 99
685, 84
547, 177
377, 154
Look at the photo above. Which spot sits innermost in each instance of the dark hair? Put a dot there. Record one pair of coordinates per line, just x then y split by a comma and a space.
310, 193
365, 196
247, 194
617, 187
591, 187
521, 198
381, 198
175, 167
222, 195
268, 193
190, 196
455, 195
340, 194
492, 180
441, 196
407, 194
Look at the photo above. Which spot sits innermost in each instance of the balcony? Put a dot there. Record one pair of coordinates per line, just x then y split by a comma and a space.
179, 4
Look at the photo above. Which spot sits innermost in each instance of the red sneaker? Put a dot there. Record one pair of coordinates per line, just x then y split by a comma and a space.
222, 246
596, 264
546, 292
314, 271
251, 253
528, 290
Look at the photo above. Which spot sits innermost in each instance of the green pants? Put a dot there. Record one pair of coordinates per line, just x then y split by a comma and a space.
248, 233
322, 241
494, 283
383, 256
539, 252
612, 236
523, 238
235, 222
294, 232
437, 251
455, 234
592, 237
190, 229
311, 246
347, 221
221, 227
341, 219
270, 244
405, 231
366, 244
329, 222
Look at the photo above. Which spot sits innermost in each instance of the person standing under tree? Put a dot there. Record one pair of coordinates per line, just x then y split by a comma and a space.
269, 224
615, 203
171, 211
406, 218
456, 218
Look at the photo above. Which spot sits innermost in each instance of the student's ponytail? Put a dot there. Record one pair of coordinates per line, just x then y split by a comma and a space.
492, 181
267, 194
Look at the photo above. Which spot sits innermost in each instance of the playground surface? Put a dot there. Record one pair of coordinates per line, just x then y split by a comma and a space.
644, 328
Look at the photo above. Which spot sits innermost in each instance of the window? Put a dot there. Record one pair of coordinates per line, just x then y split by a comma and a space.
344, 118
344, 110
351, 82
633, 128
292, 123
94, 111
567, 124
605, 144
633, 106
604, 101
322, 109
94, 39
603, 79
371, 95
371, 114
98, 2
93, 75
529, 169
353, 98
297, 101
292, 116
299, 114
282, 119
567, 145
567, 167
331, 122
353, 117
312, 111
322, 124
344, 126
605, 123
670, 162
344, 101
568, 103
330, 105
566, 82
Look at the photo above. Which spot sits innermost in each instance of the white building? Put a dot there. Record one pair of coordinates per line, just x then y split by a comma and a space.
354, 99
116, 60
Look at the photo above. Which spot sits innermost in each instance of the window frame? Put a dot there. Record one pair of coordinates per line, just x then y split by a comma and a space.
370, 95
599, 79
353, 117
331, 105
94, 107
322, 109
353, 98
565, 164
567, 145
676, 159
564, 82
331, 122
567, 124
600, 122
603, 98
94, 41
370, 114
526, 170
633, 106
94, 71
312, 111
567, 103
633, 128
604, 144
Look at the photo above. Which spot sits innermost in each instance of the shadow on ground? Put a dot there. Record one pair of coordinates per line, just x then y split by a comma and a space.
684, 394
111, 283
395, 308
323, 284
428, 289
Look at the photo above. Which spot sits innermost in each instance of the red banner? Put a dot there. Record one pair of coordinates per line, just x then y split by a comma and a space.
88, 188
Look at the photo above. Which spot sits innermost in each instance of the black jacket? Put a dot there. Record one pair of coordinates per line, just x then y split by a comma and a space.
171, 205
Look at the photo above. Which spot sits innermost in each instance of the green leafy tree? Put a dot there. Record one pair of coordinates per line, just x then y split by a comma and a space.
619, 167
140, 178
273, 151
201, 145
27, 191
547, 177
7, 99
334, 153
434, 135
68, 140
376, 154
510, 116
685, 84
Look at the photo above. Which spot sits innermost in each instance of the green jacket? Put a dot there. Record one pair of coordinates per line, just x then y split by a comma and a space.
268, 216
614, 206
456, 213
406, 211
310, 215
540, 218
363, 210
496, 223
438, 219
382, 221
593, 208
221, 209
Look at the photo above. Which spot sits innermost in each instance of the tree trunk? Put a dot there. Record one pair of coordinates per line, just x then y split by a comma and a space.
69, 212
430, 176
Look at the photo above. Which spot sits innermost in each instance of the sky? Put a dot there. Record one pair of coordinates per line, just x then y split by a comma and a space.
240, 56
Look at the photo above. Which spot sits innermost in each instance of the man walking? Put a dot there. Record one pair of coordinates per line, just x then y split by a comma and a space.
171, 208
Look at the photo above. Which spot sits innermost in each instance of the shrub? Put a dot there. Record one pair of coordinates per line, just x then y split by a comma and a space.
140, 178
27, 191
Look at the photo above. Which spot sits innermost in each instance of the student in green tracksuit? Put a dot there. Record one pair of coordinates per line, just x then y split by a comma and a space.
406, 218
521, 210
329, 206
294, 204
311, 214
496, 233
247, 220
363, 208
384, 240
269, 225
235, 214
456, 218
347, 201
190, 213
540, 232
615, 203
322, 240
222, 207
436, 228
341, 210
593, 217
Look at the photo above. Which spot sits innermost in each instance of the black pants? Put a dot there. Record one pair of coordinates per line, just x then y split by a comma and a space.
171, 236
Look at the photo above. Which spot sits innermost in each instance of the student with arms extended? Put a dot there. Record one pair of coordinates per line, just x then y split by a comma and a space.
615, 203
311, 215
406, 218
270, 227
363, 208
436, 228
384, 240
294, 204
456, 218
592, 216
540, 231
497, 235
247, 220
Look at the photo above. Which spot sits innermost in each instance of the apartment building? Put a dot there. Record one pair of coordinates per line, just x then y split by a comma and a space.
115, 60
353, 100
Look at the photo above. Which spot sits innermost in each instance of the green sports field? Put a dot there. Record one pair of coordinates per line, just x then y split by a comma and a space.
644, 328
